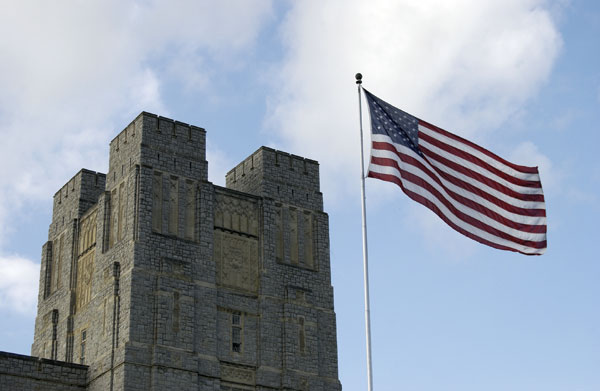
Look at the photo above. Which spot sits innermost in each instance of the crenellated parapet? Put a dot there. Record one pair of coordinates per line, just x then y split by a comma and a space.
279, 175
75, 198
160, 143
174, 147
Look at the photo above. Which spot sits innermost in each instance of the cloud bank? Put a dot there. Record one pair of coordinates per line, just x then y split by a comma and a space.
75, 72
72, 73
466, 65
19, 284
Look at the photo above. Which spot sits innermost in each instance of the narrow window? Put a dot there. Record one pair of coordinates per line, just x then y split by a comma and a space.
83, 340
54, 353
48, 263
176, 312
121, 211
173, 206
236, 332
190, 210
293, 227
279, 233
301, 335
57, 255
114, 209
157, 202
308, 240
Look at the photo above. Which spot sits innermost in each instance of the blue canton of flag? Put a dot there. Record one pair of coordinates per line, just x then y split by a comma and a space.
400, 126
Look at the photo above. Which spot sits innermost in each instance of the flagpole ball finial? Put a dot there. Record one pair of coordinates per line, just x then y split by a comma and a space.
358, 78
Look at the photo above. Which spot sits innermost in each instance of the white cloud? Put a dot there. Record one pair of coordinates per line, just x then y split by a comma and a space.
564, 119
189, 68
579, 197
219, 164
18, 284
73, 73
528, 154
438, 238
146, 93
457, 64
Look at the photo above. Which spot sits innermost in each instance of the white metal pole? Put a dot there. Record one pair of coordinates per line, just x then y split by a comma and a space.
364, 240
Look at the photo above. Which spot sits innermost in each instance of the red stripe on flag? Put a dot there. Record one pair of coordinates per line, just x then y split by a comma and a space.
459, 198
424, 201
524, 169
481, 178
419, 181
469, 187
533, 212
477, 161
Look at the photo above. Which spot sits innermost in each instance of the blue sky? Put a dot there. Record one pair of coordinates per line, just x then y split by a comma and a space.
519, 77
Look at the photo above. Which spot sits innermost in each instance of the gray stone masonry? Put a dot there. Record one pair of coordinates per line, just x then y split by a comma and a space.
156, 279
19, 372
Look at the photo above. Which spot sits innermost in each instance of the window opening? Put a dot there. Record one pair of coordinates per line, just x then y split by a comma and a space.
236, 332
83, 341
301, 335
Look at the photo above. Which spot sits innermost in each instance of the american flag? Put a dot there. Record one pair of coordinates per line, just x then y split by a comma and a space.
476, 192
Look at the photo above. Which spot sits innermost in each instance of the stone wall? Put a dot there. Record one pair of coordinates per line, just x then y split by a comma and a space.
297, 328
279, 175
58, 274
21, 373
173, 283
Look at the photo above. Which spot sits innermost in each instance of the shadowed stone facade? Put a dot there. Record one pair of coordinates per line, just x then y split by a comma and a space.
156, 279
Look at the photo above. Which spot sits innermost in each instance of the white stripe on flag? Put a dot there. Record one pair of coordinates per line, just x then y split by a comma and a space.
467, 227
490, 190
521, 219
472, 151
462, 208
477, 169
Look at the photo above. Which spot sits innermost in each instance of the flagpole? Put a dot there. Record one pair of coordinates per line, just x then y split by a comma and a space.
364, 241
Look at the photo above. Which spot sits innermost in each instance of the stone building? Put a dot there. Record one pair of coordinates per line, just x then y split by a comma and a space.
153, 278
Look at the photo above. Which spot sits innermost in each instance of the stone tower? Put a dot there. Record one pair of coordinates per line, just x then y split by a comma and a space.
156, 279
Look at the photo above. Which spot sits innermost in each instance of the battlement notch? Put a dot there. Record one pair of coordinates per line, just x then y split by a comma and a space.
279, 175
